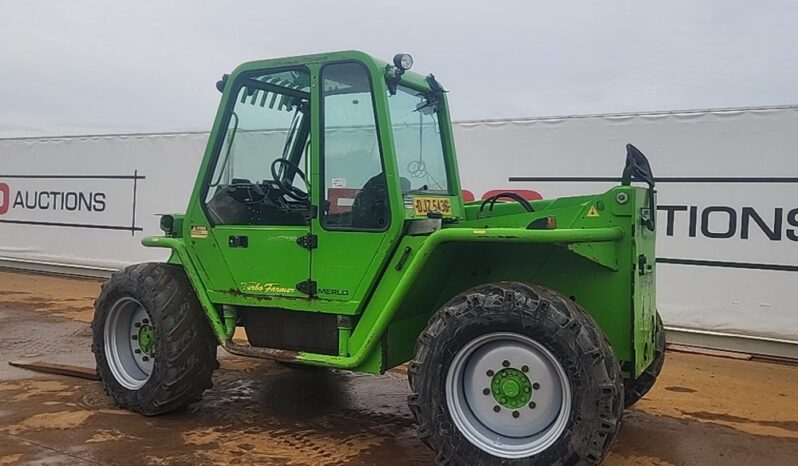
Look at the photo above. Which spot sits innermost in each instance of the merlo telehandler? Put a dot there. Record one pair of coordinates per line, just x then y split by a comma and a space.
327, 220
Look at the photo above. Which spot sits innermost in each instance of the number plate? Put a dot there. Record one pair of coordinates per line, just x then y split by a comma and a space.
424, 205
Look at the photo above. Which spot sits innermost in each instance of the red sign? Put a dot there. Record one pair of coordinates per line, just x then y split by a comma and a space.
341, 199
5, 198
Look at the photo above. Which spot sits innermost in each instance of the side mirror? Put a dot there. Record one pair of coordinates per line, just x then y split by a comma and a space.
637, 167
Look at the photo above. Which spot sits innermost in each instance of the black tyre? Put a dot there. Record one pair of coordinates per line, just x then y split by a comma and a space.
514, 374
154, 348
637, 388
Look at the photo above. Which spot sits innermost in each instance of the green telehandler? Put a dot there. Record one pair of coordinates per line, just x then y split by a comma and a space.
327, 220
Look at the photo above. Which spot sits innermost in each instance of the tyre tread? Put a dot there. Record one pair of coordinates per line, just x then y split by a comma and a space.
544, 312
186, 345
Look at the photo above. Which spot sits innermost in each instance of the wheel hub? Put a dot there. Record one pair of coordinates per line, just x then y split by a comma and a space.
511, 388
146, 340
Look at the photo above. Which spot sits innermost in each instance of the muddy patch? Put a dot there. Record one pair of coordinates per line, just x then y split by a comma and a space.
110, 435
287, 446
788, 425
10, 459
50, 421
680, 390
30, 389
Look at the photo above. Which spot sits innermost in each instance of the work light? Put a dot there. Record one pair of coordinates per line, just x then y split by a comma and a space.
403, 61
167, 224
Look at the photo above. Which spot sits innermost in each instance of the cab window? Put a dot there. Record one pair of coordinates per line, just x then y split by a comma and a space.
355, 195
417, 138
261, 171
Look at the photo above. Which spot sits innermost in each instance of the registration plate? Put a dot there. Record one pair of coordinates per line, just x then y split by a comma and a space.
424, 205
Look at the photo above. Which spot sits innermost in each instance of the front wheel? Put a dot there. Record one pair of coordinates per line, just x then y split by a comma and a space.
154, 348
515, 374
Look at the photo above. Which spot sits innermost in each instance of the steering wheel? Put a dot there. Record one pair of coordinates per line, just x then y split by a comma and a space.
285, 184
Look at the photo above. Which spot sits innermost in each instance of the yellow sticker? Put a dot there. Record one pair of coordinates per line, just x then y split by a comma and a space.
199, 231
593, 212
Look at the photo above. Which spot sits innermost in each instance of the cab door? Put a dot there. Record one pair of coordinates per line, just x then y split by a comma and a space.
355, 225
256, 200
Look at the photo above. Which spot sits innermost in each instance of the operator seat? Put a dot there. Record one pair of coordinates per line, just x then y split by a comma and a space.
370, 208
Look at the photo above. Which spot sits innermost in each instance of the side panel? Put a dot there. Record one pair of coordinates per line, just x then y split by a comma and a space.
270, 264
644, 278
346, 263
605, 294
601, 277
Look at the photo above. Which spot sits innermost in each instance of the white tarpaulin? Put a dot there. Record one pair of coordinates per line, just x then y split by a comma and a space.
88, 201
727, 192
727, 187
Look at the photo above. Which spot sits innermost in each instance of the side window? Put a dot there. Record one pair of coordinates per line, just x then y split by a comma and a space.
355, 195
260, 176
417, 138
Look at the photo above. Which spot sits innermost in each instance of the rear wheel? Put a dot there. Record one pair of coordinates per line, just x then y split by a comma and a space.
637, 388
154, 349
515, 374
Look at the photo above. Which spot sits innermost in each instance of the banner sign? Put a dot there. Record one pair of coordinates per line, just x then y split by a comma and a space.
87, 201
108, 202
727, 193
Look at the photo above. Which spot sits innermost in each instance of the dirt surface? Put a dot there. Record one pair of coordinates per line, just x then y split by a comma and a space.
703, 411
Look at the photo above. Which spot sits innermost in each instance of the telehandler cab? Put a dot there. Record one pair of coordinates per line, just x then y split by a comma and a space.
327, 221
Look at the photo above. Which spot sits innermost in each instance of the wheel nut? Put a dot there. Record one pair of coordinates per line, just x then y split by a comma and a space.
536, 385
526, 389
137, 325
532, 405
489, 373
486, 391
504, 400
145, 358
516, 414
145, 321
525, 368
506, 363
137, 351
496, 409
134, 337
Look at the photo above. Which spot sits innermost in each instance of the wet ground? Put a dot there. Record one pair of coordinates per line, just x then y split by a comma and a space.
703, 411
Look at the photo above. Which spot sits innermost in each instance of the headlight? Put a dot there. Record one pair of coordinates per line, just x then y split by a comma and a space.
403, 61
167, 224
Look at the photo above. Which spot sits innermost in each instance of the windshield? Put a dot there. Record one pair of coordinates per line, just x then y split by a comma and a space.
419, 148
262, 126
259, 174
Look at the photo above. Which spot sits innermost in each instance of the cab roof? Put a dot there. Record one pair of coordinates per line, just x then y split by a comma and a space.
409, 77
